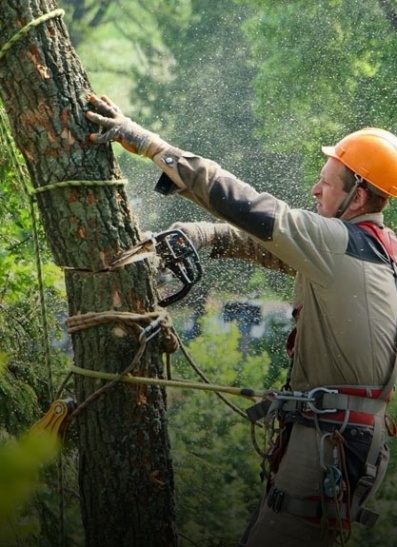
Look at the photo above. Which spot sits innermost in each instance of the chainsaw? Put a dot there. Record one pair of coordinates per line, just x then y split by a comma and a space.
179, 262
179, 266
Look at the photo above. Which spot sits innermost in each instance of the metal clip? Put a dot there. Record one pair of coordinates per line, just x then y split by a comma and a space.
312, 400
151, 330
322, 450
332, 481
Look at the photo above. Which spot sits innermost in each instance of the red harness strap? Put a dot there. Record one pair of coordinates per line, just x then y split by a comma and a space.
384, 235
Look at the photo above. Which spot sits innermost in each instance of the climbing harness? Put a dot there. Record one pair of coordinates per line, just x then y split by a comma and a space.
319, 401
337, 413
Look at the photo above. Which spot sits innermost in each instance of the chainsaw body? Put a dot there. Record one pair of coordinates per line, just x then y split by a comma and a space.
179, 262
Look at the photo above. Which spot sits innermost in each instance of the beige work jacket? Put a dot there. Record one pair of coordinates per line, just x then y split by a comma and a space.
346, 332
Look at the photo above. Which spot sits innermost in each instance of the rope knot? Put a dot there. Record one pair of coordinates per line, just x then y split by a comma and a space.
169, 341
337, 438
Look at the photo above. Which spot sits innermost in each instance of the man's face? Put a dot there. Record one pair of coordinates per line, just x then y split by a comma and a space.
328, 191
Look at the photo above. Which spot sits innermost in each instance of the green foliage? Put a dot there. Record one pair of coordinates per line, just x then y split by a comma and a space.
217, 469
20, 462
122, 44
324, 69
274, 344
24, 388
24, 384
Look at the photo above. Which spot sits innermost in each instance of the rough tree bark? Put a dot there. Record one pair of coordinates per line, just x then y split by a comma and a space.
126, 480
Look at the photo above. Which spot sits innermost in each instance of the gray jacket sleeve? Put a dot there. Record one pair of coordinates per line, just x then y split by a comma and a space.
304, 240
226, 241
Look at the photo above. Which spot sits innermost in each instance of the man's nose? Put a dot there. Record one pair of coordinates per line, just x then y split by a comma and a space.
315, 189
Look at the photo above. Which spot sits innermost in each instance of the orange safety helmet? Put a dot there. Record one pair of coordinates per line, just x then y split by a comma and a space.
371, 153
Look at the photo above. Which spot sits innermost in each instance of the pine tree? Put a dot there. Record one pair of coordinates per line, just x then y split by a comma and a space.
125, 475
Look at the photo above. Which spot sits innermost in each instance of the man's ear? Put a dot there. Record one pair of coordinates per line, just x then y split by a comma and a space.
359, 200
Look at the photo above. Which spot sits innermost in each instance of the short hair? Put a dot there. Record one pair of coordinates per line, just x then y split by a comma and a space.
375, 202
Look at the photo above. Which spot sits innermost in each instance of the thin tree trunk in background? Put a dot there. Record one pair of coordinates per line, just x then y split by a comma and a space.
126, 481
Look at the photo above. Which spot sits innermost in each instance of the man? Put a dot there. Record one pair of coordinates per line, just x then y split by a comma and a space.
331, 456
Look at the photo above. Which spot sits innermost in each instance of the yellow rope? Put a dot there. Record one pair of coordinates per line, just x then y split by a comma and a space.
24, 30
112, 381
70, 183
184, 384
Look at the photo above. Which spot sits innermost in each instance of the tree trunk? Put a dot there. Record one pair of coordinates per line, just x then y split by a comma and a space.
126, 480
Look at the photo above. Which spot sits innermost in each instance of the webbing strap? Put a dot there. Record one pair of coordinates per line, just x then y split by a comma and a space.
312, 509
376, 442
367, 482
341, 401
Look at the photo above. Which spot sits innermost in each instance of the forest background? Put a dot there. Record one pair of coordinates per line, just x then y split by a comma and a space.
259, 88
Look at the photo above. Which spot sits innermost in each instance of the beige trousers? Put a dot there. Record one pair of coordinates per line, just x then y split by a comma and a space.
300, 475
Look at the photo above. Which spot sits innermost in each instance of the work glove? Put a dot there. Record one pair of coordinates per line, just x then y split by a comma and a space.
201, 234
119, 128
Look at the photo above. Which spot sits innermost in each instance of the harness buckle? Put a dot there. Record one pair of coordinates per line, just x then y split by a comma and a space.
313, 400
275, 500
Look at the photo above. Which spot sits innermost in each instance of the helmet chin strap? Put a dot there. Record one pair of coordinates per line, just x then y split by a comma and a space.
350, 196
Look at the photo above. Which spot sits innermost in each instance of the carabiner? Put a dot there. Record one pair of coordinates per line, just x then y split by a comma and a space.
151, 330
325, 467
311, 402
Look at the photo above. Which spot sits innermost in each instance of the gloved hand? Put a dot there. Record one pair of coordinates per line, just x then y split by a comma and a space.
201, 234
119, 128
